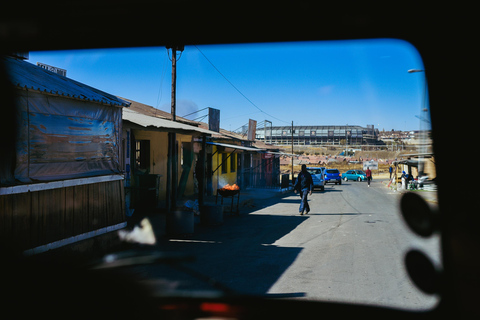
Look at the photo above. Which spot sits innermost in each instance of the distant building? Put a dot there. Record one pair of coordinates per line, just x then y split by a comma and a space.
319, 135
411, 137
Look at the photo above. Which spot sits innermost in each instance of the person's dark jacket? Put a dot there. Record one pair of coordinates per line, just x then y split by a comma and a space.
304, 181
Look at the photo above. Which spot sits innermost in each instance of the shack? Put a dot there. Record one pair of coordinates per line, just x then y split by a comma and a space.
267, 170
233, 159
227, 161
64, 181
145, 139
411, 166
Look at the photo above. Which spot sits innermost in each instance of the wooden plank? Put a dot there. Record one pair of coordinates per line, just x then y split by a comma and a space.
93, 207
21, 220
90, 213
116, 201
118, 198
36, 219
101, 205
110, 203
69, 211
121, 209
50, 206
43, 214
79, 209
60, 193
4, 218
84, 209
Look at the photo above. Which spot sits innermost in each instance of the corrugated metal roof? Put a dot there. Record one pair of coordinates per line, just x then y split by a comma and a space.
25, 75
234, 146
154, 112
148, 121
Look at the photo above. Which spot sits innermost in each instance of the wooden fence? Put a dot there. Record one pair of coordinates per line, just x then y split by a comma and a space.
32, 219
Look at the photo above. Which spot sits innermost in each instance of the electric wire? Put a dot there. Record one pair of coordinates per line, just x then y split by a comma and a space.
160, 89
238, 90
194, 112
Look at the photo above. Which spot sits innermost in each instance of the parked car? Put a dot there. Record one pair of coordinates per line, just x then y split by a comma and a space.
317, 177
357, 175
333, 175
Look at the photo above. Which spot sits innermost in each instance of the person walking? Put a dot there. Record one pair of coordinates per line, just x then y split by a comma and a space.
390, 170
369, 175
304, 185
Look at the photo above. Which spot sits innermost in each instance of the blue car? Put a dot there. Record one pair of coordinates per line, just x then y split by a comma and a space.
317, 177
333, 175
356, 175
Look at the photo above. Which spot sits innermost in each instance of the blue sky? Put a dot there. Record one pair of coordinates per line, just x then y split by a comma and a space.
355, 82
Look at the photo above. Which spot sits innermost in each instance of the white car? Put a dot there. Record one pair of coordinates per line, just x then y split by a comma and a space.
317, 177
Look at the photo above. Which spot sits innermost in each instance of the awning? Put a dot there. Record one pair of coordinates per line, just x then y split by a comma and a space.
149, 121
418, 155
236, 147
409, 162
282, 153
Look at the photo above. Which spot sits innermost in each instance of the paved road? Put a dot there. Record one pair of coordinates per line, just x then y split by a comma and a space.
349, 248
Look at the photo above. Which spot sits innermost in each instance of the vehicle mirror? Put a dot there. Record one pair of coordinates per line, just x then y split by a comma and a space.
422, 272
417, 214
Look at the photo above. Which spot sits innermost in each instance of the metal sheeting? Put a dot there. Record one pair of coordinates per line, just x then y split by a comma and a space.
234, 146
148, 121
25, 75
409, 162
62, 138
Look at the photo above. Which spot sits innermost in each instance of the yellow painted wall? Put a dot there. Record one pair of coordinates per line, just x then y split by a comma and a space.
159, 156
220, 179
190, 188
430, 169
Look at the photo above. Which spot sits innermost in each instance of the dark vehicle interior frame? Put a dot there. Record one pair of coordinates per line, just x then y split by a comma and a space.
440, 35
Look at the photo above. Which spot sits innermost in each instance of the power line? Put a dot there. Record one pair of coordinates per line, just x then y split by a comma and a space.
241, 127
194, 112
160, 89
238, 90
200, 118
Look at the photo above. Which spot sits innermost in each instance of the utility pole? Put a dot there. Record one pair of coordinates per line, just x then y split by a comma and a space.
174, 82
172, 165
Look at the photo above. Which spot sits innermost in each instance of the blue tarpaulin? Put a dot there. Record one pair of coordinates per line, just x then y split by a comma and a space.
64, 129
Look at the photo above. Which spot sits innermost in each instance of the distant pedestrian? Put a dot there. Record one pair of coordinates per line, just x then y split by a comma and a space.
369, 176
390, 170
304, 185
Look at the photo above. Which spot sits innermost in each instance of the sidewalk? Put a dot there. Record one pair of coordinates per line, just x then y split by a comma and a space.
429, 192
250, 200
247, 197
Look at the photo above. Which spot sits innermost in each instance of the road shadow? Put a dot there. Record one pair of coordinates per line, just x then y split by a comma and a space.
332, 214
285, 295
295, 200
240, 255
332, 190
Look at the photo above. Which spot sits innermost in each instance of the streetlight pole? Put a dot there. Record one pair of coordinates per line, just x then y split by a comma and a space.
292, 151
346, 140
423, 116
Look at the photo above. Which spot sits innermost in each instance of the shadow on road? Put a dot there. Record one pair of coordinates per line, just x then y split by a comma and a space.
239, 254
333, 214
332, 190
